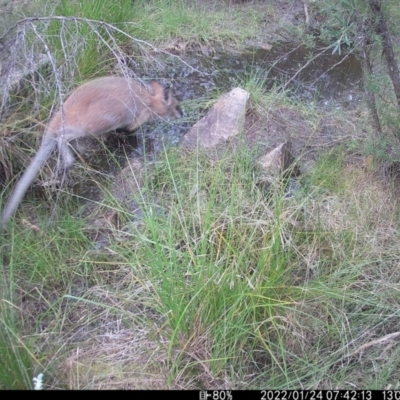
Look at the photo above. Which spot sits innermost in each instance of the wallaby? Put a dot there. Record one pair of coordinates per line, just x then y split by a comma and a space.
92, 109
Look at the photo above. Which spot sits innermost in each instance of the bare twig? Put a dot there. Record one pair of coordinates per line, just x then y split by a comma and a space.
303, 67
330, 69
306, 12
92, 22
390, 336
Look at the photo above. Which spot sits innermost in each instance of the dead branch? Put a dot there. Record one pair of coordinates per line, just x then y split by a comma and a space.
26, 46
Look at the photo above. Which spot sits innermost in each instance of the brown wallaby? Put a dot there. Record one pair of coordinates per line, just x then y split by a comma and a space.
92, 109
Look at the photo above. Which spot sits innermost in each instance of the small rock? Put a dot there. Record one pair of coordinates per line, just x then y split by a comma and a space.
224, 120
265, 46
269, 168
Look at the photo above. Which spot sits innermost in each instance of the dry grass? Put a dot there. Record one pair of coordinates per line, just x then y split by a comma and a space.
117, 359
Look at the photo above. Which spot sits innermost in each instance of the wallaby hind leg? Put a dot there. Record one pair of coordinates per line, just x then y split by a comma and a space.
65, 160
66, 154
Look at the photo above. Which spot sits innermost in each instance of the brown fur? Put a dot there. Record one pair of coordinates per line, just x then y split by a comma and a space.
92, 109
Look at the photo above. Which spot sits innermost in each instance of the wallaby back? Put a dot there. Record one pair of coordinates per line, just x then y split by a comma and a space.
92, 109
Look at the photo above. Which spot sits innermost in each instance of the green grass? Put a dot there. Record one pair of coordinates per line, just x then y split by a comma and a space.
166, 20
211, 260
328, 172
111, 12
17, 358
230, 286
39, 267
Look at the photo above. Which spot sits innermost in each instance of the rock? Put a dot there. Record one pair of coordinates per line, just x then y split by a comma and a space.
265, 46
270, 167
223, 121
277, 160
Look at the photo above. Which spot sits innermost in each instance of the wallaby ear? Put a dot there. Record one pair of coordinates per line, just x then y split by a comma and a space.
156, 88
159, 91
168, 95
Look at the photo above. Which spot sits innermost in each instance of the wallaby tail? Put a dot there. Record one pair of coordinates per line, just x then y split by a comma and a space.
26, 180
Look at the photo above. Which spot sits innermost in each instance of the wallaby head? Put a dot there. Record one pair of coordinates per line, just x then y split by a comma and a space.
164, 104
93, 109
